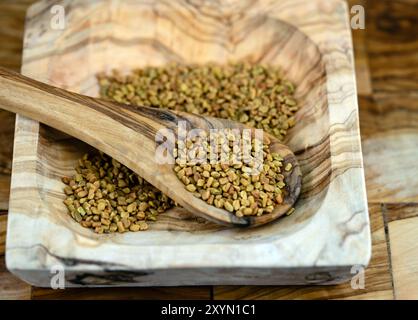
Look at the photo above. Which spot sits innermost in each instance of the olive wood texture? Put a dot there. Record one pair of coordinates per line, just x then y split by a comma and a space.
309, 40
128, 134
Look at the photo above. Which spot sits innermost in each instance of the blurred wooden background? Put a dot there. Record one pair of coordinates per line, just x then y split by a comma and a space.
386, 54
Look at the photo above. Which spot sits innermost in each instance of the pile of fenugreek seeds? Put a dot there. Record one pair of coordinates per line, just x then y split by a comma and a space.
248, 185
108, 197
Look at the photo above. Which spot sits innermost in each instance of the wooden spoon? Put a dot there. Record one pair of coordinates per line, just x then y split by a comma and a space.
127, 133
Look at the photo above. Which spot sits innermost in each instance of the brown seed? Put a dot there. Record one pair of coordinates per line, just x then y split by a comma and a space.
120, 226
134, 227
68, 190
205, 194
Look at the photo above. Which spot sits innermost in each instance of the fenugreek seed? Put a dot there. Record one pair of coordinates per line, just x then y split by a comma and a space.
269, 209
143, 226
215, 174
268, 188
120, 226
121, 183
290, 211
243, 194
105, 222
228, 206
288, 167
211, 199
77, 216
143, 206
223, 181
245, 182
205, 194
82, 194
226, 187
188, 171
126, 190
68, 190
131, 207
281, 184
81, 211
134, 227
68, 202
236, 204
209, 182
126, 223
191, 188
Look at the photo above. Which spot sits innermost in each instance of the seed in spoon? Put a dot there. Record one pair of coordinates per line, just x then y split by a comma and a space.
250, 189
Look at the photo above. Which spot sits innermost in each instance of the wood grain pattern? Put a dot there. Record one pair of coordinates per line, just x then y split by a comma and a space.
326, 140
3, 228
12, 17
4, 191
7, 121
404, 253
378, 281
399, 211
161, 293
10, 286
393, 46
392, 43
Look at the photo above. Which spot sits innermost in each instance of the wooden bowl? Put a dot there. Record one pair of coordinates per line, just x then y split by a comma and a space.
310, 40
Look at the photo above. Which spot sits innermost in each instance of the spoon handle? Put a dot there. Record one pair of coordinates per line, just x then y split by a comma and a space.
123, 132
126, 133
98, 122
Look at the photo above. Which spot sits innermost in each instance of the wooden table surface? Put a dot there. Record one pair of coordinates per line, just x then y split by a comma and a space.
386, 55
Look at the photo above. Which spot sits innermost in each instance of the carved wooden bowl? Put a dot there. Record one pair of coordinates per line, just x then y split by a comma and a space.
310, 40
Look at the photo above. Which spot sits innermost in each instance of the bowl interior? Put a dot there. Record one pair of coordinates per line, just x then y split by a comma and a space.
149, 41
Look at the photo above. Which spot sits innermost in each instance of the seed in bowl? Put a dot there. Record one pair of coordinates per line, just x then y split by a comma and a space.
255, 95
108, 197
